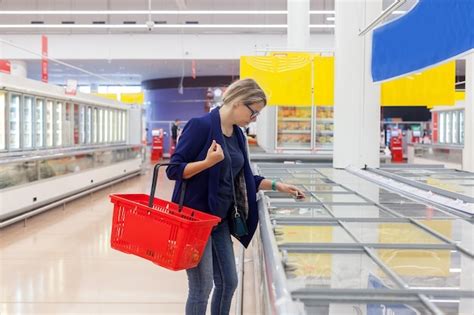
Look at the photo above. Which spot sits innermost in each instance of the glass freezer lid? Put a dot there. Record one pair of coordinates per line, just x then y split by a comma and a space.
298, 212
314, 234
308, 181
358, 211
382, 308
429, 268
417, 211
390, 233
325, 188
339, 198
454, 306
334, 271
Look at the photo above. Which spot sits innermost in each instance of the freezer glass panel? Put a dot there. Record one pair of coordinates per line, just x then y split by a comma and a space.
455, 127
49, 123
294, 127
88, 124
94, 125
448, 127
325, 188
124, 125
428, 268
106, 126
311, 234
324, 121
58, 124
114, 125
461, 127
334, 271
339, 198
27, 122
14, 122
390, 233
358, 211
454, 306
442, 127
100, 126
2, 120
68, 125
82, 124
39, 123
359, 308
77, 125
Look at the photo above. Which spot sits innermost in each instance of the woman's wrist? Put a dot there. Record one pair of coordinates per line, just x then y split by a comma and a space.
274, 185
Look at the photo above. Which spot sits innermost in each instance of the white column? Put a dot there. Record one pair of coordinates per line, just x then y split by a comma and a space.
19, 68
468, 151
357, 98
298, 24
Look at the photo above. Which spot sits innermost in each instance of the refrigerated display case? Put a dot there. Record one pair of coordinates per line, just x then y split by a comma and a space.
14, 121
451, 126
324, 121
294, 127
306, 128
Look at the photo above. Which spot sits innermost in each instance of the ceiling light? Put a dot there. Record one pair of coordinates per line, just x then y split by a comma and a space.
158, 26
165, 12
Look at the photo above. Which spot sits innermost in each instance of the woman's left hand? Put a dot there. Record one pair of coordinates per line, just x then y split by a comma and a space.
293, 190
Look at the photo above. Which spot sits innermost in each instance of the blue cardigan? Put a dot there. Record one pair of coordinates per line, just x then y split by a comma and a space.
201, 189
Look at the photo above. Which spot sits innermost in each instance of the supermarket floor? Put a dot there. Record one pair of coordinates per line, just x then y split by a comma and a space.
61, 263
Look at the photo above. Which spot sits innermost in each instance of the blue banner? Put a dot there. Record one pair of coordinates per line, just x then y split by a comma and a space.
433, 31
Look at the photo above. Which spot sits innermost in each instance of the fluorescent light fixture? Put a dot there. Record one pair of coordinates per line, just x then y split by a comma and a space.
145, 12
331, 18
399, 12
157, 26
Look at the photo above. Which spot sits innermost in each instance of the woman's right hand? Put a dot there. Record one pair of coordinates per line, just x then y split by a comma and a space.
215, 154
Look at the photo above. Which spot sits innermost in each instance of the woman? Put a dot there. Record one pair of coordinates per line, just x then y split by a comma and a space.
211, 156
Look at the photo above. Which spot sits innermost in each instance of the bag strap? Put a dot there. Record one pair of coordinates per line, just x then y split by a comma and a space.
156, 169
236, 213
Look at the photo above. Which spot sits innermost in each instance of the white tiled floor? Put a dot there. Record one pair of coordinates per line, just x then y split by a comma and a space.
61, 263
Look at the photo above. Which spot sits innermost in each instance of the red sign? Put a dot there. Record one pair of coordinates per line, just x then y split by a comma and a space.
44, 59
434, 120
5, 66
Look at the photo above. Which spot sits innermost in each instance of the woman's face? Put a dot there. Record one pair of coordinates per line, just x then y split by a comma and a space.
245, 114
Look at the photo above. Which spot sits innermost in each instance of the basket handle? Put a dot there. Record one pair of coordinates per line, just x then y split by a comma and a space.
156, 169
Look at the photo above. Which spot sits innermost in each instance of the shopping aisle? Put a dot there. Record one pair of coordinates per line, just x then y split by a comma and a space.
62, 263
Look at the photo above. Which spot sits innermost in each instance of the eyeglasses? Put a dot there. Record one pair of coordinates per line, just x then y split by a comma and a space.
254, 113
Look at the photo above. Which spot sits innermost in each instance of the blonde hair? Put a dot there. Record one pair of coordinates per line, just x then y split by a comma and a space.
247, 91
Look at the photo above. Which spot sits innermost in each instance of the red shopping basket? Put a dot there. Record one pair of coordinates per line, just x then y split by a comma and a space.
163, 232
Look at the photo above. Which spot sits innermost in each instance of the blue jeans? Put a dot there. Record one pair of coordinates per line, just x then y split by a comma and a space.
217, 267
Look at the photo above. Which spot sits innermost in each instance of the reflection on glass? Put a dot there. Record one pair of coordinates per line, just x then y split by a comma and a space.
324, 126
58, 124
335, 271
461, 127
49, 123
124, 125
390, 233
27, 122
422, 269
454, 306
14, 121
294, 127
106, 125
339, 198
417, 211
17, 173
384, 308
358, 211
2, 120
39, 123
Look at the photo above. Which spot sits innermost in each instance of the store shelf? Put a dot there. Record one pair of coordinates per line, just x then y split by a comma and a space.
324, 120
325, 132
294, 131
294, 119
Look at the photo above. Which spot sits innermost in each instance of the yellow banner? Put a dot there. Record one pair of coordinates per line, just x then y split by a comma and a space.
433, 87
323, 81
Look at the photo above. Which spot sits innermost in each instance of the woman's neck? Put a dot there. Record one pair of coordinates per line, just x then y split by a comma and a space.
227, 124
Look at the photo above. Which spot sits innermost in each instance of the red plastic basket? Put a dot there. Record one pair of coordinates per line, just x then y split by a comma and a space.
171, 237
